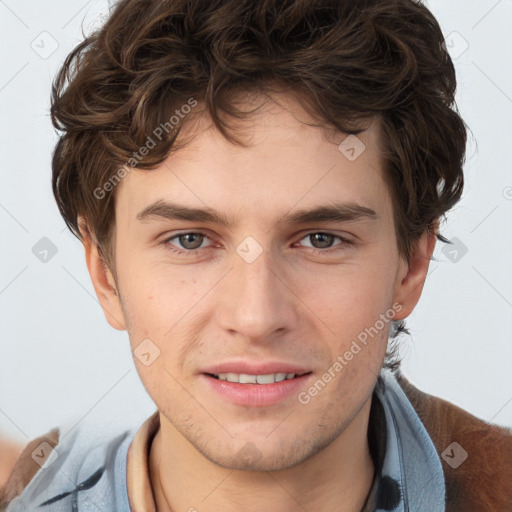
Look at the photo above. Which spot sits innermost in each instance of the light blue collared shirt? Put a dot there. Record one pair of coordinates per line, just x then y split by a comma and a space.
411, 459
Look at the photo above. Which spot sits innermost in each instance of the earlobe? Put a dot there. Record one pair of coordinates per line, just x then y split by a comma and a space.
102, 279
411, 277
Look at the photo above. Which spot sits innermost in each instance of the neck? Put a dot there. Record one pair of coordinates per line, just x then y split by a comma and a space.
338, 477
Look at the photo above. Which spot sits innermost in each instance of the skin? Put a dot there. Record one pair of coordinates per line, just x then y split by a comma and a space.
295, 303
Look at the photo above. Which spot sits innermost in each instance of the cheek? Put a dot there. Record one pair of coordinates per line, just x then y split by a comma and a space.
349, 296
164, 304
355, 311
149, 289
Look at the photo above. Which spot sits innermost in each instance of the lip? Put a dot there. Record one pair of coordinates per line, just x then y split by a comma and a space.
256, 395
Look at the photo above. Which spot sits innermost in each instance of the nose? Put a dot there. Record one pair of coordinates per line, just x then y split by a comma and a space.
257, 302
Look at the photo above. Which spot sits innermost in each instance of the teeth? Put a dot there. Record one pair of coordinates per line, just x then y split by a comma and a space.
244, 378
263, 379
247, 379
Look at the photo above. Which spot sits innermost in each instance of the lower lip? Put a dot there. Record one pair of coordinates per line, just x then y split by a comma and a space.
257, 395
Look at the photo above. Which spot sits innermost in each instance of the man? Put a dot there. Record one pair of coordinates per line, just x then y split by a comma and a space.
258, 187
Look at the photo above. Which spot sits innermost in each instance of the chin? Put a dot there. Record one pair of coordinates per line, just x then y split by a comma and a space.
264, 455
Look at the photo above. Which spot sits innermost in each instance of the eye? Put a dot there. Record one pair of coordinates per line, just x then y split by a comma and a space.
321, 241
190, 242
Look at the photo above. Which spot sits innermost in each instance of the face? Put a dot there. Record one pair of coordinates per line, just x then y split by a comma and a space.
259, 287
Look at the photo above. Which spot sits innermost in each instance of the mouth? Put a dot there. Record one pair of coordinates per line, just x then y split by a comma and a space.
257, 389
245, 378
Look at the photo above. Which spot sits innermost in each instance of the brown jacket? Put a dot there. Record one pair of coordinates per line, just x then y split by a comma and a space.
9, 453
483, 483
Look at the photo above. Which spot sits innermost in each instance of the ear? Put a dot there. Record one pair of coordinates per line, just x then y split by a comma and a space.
102, 279
411, 277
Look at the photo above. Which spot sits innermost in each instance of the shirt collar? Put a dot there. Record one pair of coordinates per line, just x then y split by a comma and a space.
412, 477
140, 493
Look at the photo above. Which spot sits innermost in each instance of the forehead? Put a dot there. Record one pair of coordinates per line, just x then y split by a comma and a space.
286, 164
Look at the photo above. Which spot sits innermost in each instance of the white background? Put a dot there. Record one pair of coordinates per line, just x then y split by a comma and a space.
61, 363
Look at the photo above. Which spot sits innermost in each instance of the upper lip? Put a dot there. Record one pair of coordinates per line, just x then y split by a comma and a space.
253, 368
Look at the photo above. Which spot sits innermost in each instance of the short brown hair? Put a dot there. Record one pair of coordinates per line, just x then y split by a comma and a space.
350, 61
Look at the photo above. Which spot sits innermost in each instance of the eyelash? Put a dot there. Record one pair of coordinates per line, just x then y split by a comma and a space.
344, 242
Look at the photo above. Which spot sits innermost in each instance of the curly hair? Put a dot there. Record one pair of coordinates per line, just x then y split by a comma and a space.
350, 61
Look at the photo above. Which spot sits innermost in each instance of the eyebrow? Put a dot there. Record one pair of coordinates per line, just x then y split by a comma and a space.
335, 212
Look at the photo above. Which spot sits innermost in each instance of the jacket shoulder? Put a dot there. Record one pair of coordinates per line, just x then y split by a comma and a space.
476, 455
72, 470
30, 461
